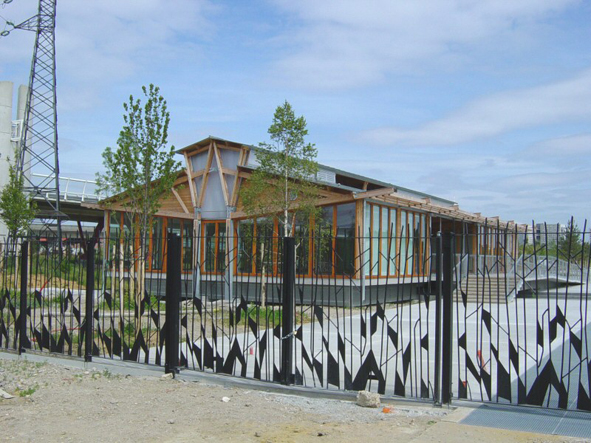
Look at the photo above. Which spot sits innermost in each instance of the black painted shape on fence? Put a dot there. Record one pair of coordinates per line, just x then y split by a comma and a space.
288, 308
447, 325
89, 320
22, 318
173, 292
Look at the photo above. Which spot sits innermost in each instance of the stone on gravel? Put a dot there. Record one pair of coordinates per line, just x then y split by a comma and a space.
170, 375
6, 395
368, 399
225, 399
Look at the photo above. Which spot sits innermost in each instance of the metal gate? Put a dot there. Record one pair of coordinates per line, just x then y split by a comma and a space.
452, 316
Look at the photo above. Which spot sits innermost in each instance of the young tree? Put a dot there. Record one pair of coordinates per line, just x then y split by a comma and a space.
17, 211
141, 169
281, 183
570, 245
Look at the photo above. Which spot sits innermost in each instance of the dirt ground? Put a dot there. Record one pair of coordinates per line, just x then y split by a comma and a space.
53, 402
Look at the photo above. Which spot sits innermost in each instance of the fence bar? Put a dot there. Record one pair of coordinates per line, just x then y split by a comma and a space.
288, 309
438, 291
173, 291
447, 327
23, 342
89, 320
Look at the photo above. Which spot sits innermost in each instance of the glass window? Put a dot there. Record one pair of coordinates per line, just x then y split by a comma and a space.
345, 239
384, 228
214, 247
410, 243
245, 232
221, 249
375, 239
366, 234
323, 241
174, 226
417, 243
302, 241
157, 242
403, 244
209, 241
264, 244
127, 225
425, 243
392, 240
115, 224
187, 245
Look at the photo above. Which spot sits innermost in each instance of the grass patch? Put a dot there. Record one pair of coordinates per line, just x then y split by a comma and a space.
28, 391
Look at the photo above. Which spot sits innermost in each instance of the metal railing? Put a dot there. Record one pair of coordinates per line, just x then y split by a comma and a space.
549, 267
73, 190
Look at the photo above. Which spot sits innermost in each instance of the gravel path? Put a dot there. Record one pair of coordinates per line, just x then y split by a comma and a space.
58, 403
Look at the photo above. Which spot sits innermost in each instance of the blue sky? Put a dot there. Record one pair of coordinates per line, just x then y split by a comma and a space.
487, 103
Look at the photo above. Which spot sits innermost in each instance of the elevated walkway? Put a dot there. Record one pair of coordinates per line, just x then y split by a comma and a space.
74, 194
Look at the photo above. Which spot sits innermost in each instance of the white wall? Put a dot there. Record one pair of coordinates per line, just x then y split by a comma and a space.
6, 117
6, 149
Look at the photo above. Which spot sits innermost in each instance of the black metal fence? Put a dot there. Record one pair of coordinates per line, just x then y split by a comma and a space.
481, 317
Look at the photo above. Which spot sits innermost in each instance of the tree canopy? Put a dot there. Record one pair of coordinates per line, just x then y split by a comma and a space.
281, 184
142, 168
17, 211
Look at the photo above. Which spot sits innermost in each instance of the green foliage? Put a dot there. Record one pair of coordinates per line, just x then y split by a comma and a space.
571, 246
17, 211
141, 169
281, 184
269, 315
27, 391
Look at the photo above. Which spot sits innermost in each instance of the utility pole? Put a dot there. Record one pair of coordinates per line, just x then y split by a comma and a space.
38, 147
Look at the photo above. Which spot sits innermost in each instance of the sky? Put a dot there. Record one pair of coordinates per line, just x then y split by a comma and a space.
486, 103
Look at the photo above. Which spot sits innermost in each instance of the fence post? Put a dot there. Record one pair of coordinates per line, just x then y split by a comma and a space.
438, 292
173, 291
23, 342
287, 313
447, 326
89, 311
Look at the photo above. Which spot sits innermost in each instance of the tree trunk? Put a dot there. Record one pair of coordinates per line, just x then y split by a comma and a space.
131, 273
113, 270
121, 287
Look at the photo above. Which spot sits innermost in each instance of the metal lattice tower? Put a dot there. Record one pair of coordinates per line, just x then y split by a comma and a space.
39, 142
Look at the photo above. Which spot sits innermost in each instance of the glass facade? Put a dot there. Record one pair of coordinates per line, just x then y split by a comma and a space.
397, 243
394, 243
156, 240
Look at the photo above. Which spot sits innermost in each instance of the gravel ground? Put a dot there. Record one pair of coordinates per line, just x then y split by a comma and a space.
53, 402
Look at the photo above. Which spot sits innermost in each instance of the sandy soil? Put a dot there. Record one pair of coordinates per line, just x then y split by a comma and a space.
58, 403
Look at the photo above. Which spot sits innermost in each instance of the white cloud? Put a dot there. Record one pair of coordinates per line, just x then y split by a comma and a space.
567, 100
573, 145
101, 43
349, 43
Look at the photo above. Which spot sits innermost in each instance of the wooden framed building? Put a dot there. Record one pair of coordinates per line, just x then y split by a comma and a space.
372, 231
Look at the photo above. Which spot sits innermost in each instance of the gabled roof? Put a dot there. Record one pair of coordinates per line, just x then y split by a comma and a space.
376, 183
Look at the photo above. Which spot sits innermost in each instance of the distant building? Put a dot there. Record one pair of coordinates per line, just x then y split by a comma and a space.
10, 129
549, 233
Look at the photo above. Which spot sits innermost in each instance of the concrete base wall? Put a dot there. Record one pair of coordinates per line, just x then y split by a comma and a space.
307, 294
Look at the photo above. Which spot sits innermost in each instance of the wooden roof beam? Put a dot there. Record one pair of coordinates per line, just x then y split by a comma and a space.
374, 193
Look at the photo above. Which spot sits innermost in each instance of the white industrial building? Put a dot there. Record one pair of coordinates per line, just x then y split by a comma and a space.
11, 124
